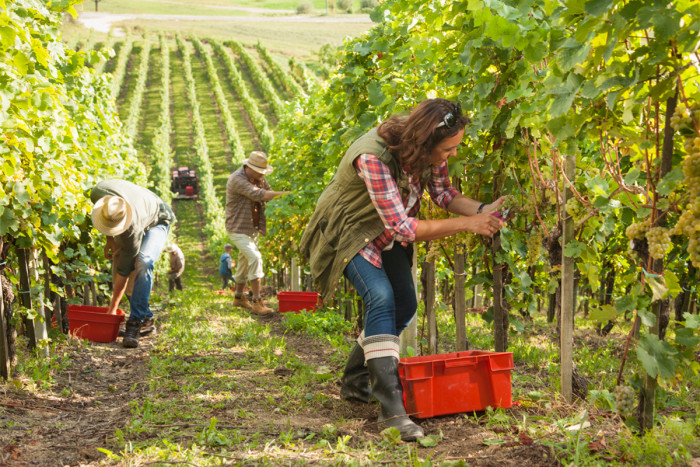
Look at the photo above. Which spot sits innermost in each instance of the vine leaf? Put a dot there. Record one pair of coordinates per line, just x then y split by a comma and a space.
655, 356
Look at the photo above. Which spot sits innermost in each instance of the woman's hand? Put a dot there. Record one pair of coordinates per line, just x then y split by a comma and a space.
486, 223
493, 207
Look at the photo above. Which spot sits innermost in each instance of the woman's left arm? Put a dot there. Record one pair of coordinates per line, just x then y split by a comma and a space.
464, 206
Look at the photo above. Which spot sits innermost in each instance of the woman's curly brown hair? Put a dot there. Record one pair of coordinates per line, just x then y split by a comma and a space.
412, 139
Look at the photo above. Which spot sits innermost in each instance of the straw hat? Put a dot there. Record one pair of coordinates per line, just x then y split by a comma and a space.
170, 247
111, 215
257, 161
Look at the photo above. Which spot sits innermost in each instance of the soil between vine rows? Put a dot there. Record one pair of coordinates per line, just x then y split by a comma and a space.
52, 429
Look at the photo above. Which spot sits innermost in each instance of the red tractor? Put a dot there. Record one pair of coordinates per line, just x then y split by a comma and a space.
185, 183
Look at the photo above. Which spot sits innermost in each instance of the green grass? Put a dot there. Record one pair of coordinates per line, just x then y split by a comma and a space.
182, 135
219, 151
150, 110
246, 132
289, 39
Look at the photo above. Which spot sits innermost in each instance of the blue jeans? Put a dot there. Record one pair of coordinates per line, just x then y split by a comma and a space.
388, 292
151, 246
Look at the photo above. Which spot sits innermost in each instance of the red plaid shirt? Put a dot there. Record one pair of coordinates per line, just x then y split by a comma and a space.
399, 218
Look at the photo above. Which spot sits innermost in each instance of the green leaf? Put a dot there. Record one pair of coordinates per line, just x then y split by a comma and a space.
625, 303
672, 284
573, 249
8, 222
658, 289
603, 314
632, 176
376, 95
691, 321
429, 441
655, 356
598, 7
670, 181
391, 435
648, 318
687, 337
561, 104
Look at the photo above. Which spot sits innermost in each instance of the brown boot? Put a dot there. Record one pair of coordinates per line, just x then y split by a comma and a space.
259, 307
242, 302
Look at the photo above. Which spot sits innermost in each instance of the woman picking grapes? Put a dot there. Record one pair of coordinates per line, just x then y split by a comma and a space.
364, 227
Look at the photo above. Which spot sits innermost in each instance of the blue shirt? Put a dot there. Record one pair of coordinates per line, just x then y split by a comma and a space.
225, 266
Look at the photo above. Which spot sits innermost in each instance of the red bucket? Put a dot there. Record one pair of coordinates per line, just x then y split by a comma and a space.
297, 301
93, 323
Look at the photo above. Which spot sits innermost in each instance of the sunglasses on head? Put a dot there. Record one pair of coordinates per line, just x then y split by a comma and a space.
450, 118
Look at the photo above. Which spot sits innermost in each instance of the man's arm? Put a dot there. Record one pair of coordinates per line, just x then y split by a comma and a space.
119, 285
269, 194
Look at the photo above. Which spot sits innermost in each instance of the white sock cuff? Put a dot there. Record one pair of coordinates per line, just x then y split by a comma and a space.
381, 345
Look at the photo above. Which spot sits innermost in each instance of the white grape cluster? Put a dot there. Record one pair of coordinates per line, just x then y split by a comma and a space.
624, 400
509, 203
534, 246
575, 209
687, 121
637, 231
659, 242
433, 252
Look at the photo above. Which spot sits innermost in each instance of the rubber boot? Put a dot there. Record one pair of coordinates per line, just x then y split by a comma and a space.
356, 377
387, 389
131, 333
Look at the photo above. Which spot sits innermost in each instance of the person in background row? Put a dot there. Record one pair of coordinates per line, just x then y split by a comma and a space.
226, 266
247, 191
364, 226
177, 266
136, 222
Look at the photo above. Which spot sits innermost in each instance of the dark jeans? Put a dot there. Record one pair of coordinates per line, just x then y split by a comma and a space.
175, 283
225, 281
388, 292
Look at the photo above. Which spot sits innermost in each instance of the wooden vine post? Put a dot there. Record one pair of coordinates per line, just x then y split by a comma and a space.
429, 297
566, 325
500, 312
648, 393
460, 300
296, 275
25, 298
409, 336
4, 348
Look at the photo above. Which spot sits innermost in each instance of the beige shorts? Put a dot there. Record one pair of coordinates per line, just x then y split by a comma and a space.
249, 265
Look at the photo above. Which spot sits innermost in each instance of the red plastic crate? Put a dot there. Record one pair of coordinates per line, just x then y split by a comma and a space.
297, 301
93, 323
456, 382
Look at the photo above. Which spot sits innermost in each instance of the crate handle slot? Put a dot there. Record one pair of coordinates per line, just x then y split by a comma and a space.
459, 363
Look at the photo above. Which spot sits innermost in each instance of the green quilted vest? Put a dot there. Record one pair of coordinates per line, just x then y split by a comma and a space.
345, 220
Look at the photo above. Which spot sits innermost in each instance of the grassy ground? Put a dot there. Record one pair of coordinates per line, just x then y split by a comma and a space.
297, 39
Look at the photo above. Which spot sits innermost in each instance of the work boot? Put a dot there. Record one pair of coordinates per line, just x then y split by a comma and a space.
242, 302
259, 307
387, 389
131, 333
148, 327
356, 377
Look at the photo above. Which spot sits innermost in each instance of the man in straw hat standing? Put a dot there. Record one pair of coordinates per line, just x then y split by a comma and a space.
247, 191
137, 222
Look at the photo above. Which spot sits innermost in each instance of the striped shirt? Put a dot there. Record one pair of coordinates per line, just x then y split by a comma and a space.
241, 197
398, 215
